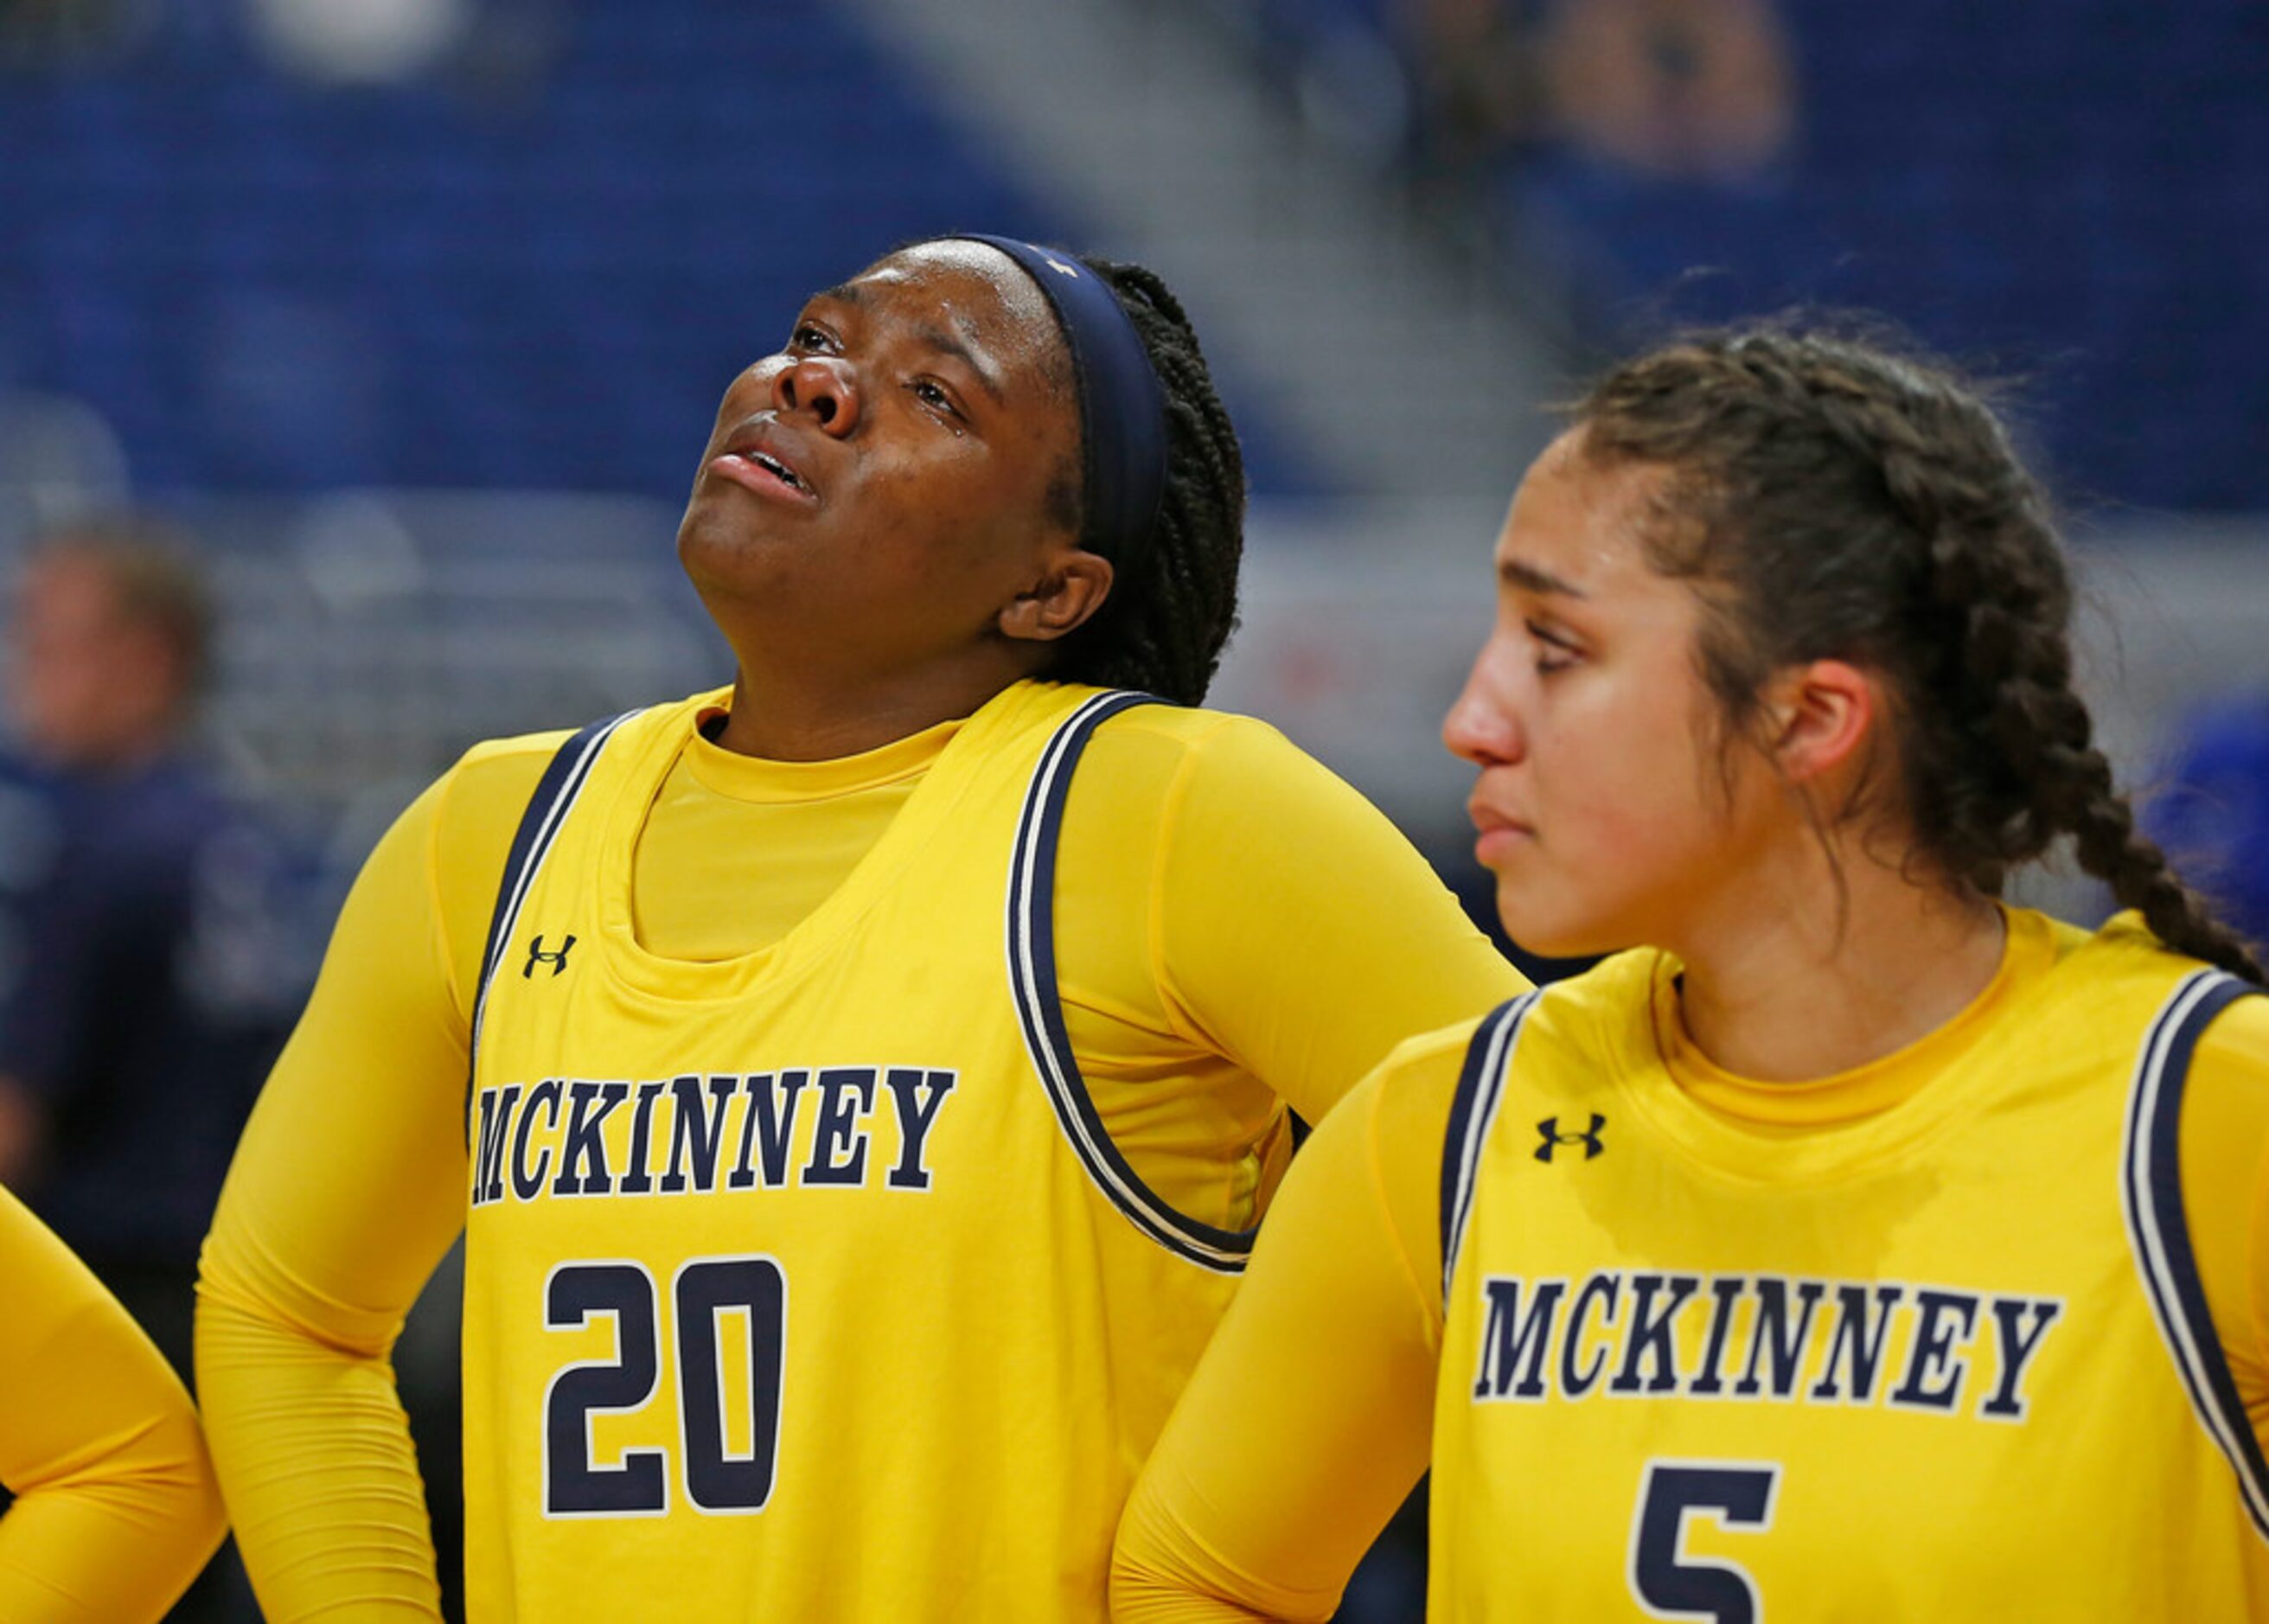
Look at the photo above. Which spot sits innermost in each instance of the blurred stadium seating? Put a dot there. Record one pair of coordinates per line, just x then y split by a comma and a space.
532, 269
537, 275
370, 635
2070, 190
534, 276
426, 360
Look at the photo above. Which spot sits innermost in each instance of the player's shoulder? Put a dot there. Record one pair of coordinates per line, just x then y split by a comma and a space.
1585, 1033
2119, 985
1424, 1099
1184, 735
1414, 1087
1603, 1021
473, 808
2231, 1063
1428, 1058
516, 762
1223, 764
2101, 983
478, 803
504, 772
2122, 949
1594, 1010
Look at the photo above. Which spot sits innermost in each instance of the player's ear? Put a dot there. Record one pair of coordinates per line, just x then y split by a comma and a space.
1071, 587
1820, 715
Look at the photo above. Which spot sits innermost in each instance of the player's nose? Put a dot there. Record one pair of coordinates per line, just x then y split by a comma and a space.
1483, 724
821, 385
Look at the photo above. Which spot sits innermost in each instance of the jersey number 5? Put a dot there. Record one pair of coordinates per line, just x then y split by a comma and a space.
709, 1294
1739, 1494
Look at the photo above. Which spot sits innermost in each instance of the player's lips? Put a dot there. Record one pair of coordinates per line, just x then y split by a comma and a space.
765, 459
1501, 832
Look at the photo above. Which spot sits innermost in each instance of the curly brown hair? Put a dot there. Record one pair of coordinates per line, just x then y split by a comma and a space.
1832, 497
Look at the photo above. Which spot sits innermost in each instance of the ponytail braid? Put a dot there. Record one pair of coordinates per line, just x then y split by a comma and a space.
1853, 504
2112, 849
2013, 598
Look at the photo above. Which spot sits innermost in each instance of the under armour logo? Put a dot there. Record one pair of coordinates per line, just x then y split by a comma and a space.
1056, 264
538, 956
1549, 1128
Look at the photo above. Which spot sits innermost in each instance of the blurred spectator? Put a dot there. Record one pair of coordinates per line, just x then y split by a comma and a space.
2212, 817
1697, 89
145, 993
39, 33
1483, 92
1689, 89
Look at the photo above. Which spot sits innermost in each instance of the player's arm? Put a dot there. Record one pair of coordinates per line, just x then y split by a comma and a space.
1297, 929
347, 1189
2223, 1147
1311, 1415
116, 1505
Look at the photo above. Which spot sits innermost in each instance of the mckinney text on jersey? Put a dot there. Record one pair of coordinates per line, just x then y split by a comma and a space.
1638, 1333
697, 1134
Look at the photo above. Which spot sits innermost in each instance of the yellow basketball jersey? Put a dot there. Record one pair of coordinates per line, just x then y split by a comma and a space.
807, 1285
1951, 1362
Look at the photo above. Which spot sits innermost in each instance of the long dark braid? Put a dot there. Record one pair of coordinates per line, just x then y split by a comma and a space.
1167, 618
1848, 502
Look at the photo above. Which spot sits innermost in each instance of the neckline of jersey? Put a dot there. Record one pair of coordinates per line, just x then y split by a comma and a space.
1831, 1127
1866, 1090
761, 780
678, 982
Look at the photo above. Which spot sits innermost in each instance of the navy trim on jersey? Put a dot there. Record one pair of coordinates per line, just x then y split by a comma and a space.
1473, 1109
1039, 1007
555, 792
2152, 1192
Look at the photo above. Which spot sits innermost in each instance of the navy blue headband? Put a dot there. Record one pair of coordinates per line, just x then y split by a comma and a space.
1122, 407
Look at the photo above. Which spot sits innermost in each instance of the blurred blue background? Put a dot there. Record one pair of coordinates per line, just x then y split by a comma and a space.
484, 266
2076, 189
530, 262
415, 314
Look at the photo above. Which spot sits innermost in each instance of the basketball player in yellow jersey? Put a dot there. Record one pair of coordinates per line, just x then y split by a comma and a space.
876, 1067
116, 1508
1859, 1247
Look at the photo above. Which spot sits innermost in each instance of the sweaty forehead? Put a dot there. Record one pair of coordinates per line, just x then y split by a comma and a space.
973, 288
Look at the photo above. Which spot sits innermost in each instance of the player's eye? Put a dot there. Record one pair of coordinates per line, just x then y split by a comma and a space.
933, 394
809, 335
1554, 650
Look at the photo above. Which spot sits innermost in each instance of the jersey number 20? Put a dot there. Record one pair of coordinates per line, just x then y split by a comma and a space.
707, 1296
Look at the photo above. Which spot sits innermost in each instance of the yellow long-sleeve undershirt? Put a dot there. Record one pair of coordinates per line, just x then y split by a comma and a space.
1312, 1415
1235, 927
116, 1505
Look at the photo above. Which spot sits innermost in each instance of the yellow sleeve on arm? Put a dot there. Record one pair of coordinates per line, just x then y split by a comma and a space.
1311, 1413
2224, 1157
116, 1505
347, 1190
1297, 928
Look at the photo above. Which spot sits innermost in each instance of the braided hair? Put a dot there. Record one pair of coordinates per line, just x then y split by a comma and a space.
1834, 499
1163, 624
